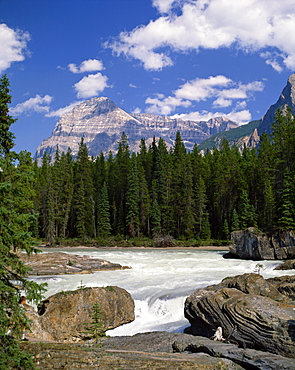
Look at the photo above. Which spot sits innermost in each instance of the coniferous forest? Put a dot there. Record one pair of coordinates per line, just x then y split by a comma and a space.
187, 195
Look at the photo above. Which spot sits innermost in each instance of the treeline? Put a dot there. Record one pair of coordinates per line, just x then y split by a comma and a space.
168, 192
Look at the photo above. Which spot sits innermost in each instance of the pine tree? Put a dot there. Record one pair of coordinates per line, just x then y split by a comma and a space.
286, 219
103, 223
15, 220
132, 199
83, 198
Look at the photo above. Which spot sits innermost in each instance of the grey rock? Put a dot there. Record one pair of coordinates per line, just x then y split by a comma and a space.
256, 245
252, 312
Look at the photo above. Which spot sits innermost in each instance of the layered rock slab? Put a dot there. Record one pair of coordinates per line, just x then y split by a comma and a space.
252, 312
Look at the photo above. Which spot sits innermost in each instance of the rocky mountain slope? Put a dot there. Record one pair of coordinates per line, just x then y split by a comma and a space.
249, 134
101, 123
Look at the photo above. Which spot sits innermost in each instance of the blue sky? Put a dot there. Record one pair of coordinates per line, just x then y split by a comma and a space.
194, 59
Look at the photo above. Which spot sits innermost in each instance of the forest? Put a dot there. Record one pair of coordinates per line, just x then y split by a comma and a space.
186, 195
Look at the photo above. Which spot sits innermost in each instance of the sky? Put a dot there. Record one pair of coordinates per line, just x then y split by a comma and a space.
192, 59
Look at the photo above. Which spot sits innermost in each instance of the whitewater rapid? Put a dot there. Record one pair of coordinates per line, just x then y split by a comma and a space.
159, 281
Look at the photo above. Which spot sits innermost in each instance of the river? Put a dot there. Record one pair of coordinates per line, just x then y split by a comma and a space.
159, 281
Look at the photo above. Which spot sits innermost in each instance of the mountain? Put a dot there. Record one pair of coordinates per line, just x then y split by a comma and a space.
286, 98
245, 135
101, 123
250, 133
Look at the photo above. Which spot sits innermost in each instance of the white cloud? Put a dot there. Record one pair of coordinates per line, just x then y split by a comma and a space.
222, 103
61, 111
38, 104
250, 25
91, 85
13, 46
219, 88
163, 5
90, 65
202, 88
162, 105
136, 110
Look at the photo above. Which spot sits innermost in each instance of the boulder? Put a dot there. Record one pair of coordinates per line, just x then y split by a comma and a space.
255, 245
252, 312
59, 263
286, 265
63, 317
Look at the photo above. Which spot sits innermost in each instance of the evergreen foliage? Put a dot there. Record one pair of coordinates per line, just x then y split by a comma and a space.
96, 329
17, 217
174, 193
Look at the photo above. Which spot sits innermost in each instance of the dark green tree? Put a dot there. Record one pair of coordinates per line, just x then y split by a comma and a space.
103, 222
286, 219
132, 199
16, 212
83, 197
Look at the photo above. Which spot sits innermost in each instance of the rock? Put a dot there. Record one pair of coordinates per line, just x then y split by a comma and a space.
286, 265
154, 350
48, 356
253, 312
64, 263
247, 358
255, 245
285, 285
65, 315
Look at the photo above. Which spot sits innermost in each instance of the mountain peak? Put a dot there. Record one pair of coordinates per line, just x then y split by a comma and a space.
286, 98
101, 123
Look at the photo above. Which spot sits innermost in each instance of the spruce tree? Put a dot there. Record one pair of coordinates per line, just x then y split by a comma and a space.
103, 222
132, 199
83, 197
15, 220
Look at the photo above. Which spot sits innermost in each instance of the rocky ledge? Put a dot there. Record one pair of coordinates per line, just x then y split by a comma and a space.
252, 312
155, 350
59, 263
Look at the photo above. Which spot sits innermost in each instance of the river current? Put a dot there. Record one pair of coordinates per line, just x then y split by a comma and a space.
159, 281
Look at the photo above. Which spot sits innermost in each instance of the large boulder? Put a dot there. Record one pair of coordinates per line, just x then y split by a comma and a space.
252, 312
63, 317
256, 245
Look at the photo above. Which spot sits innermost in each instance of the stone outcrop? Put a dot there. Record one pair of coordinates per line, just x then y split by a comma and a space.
63, 317
255, 245
253, 312
59, 263
101, 123
155, 350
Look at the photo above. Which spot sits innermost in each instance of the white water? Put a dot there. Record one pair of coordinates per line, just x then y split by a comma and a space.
159, 281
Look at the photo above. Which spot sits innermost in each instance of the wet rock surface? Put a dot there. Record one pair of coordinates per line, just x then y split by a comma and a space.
59, 263
253, 312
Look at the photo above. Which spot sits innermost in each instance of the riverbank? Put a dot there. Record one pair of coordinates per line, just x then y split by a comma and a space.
201, 248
